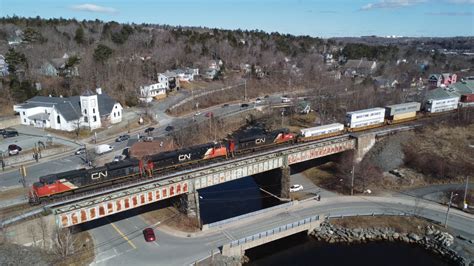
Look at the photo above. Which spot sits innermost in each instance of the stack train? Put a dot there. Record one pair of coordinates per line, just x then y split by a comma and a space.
243, 141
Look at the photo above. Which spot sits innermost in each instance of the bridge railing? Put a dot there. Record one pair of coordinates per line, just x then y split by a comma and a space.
243, 216
273, 231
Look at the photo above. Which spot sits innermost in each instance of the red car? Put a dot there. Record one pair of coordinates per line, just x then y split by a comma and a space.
149, 235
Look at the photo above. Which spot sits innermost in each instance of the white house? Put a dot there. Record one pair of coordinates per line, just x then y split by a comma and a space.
187, 74
148, 92
169, 79
86, 111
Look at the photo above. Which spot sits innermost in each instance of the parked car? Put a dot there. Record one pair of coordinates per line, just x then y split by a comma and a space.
14, 149
122, 138
244, 105
285, 100
197, 113
146, 138
10, 133
225, 105
266, 96
258, 100
169, 128
209, 114
296, 187
118, 158
2, 130
149, 235
80, 151
149, 130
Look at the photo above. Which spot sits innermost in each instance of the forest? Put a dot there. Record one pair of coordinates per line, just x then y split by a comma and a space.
122, 57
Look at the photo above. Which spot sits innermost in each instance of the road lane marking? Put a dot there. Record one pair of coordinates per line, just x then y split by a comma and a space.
124, 236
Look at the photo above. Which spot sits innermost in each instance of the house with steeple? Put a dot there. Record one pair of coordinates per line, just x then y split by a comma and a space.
89, 110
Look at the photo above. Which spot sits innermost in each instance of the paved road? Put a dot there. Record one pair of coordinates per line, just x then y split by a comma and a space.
114, 249
435, 192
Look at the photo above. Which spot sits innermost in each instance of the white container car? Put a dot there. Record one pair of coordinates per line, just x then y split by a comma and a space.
442, 105
314, 132
365, 118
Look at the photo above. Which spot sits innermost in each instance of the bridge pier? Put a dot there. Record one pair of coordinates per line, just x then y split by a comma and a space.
364, 144
189, 204
276, 182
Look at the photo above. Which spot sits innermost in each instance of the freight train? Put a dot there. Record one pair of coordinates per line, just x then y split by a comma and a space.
243, 141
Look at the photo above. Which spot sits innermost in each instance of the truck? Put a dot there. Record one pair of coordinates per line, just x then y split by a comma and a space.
103, 148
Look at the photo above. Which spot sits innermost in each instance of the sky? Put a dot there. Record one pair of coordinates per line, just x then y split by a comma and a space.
317, 18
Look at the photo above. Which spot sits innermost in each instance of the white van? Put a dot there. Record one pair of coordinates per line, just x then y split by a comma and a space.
103, 148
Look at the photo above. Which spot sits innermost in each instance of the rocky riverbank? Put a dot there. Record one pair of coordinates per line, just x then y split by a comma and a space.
432, 239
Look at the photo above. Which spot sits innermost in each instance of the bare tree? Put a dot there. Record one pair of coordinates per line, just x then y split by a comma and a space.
44, 230
63, 241
32, 232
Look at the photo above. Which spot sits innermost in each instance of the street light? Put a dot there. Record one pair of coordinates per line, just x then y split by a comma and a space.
449, 206
465, 194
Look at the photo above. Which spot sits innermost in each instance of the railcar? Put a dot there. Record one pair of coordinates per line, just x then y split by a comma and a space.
320, 132
187, 155
365, 119
403, 112
253, 138
442, 105
70, 181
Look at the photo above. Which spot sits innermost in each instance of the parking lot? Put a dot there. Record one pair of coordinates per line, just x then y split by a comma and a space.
29, 137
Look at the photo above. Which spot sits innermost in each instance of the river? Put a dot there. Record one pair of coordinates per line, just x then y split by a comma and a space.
304, 250
243, 196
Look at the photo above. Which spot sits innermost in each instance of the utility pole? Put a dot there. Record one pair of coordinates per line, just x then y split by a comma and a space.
245, 90
352, 179
465, 193
449, 206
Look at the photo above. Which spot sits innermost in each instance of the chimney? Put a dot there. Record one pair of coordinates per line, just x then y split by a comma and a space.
98, 91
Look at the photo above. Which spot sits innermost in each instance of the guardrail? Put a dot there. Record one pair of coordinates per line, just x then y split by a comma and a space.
21, 217
243, 216
273, 231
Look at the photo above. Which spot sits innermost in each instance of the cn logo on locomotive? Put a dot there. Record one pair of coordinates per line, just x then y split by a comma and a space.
98, 175
184, 157
259, 141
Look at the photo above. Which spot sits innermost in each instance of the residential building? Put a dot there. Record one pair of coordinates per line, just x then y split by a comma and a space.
187, 74
152, 91
3, 67
360, 67
211, 74
385, 83
58, 67
169, 79
215, 64
329, 59
445, 79
88, 110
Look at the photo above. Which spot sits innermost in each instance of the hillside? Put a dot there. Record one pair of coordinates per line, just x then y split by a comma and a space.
121, 57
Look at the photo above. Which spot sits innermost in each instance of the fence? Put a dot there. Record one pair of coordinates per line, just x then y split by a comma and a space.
273, 231
182, 102
243, 216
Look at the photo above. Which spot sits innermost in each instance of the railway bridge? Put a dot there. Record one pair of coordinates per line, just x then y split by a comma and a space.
186, 182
